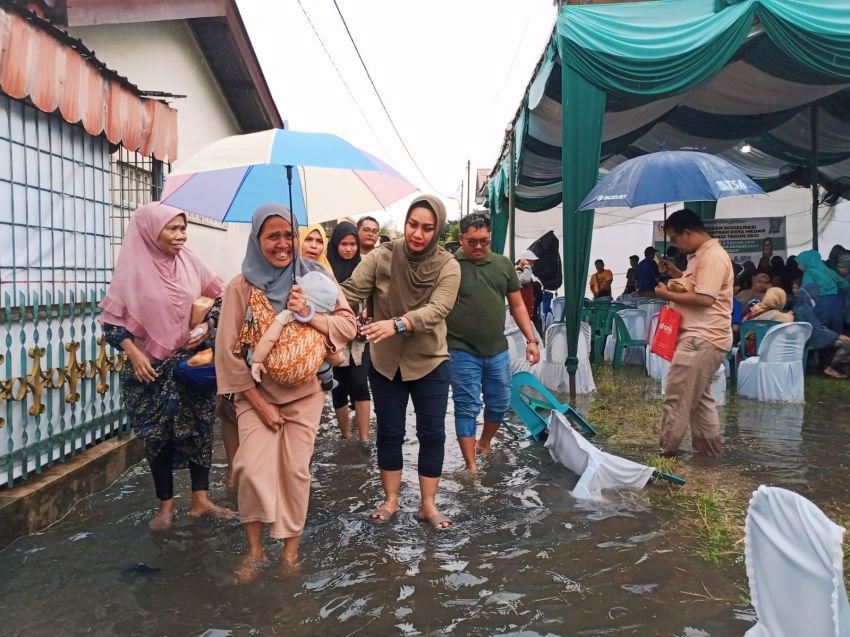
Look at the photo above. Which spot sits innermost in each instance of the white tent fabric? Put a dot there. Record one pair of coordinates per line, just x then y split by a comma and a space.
777, 373
597, 469
794, 561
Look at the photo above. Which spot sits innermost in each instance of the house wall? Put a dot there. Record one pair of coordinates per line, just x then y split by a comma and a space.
163, 56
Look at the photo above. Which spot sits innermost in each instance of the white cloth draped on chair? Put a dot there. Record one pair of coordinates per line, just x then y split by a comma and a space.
778, 372
597, 469
656, 367
794, 559
551, 370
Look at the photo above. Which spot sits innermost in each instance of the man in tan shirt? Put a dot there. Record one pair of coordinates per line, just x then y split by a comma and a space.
705, 336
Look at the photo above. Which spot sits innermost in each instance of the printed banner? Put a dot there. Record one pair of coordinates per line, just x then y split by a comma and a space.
743, 239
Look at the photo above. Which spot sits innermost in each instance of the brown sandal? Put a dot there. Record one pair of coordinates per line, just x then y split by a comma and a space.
436, 521
834, 373
381, 515
214, 512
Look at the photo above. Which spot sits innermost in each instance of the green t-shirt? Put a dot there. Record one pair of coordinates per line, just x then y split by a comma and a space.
477, 322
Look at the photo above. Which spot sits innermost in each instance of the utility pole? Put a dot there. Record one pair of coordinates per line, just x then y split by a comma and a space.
468, 183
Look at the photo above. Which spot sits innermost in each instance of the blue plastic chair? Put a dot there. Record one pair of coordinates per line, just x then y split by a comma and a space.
757, 327
528, 407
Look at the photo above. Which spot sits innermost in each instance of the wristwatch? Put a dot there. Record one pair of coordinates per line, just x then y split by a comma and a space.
399, 325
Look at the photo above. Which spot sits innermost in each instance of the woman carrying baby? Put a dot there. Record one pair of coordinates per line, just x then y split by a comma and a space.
277, 421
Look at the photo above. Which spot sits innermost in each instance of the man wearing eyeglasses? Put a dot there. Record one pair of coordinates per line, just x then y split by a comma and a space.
367, 230
480, 362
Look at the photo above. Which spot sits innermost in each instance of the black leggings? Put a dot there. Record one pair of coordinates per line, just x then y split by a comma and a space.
430, 396
353, 381
163, 474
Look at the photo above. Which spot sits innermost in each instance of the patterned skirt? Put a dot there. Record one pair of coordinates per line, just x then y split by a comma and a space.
167, 410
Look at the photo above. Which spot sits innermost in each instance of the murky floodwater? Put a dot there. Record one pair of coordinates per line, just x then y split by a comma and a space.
523, 558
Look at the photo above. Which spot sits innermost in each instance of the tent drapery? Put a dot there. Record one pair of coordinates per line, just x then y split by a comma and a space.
620, 80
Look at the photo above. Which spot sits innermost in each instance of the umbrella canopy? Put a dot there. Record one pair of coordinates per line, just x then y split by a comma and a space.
317, 175
669, 176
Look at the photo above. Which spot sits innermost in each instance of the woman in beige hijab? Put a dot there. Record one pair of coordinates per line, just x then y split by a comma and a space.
411, 284
770, 307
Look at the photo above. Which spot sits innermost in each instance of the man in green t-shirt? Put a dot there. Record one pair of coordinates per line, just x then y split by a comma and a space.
476, 336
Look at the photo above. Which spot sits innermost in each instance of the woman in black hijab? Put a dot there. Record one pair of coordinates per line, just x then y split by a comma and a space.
352, 375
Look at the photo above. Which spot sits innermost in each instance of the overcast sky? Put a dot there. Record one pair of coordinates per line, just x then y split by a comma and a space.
451, 73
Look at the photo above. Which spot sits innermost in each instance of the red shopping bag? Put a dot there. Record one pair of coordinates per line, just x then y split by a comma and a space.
666, 334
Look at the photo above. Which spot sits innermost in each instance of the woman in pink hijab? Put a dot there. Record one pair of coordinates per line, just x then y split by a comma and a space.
147, 313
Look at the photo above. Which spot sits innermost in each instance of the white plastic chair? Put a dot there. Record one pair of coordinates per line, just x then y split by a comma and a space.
777, 373
558, 305
794, 564
552, 371
597, 469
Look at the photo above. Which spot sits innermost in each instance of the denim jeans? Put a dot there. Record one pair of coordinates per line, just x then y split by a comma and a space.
474, 376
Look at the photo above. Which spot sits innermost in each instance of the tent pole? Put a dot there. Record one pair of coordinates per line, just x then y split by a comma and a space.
814, 175
511, 202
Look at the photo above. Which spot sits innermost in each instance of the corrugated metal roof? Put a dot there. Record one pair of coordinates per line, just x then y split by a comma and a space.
38, 62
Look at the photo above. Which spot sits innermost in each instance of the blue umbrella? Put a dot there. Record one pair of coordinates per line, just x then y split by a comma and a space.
669, 176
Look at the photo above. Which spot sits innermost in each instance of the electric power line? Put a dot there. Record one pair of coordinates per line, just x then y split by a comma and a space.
380, 99
342, 79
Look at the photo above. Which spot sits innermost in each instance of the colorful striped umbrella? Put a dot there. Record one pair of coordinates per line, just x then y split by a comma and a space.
317, 175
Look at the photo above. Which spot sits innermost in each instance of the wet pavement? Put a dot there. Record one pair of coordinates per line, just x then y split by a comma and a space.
523, 559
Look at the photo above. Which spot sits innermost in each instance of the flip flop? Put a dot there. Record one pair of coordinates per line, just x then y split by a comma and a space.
384, 513
215, 512
436, 520
833, 373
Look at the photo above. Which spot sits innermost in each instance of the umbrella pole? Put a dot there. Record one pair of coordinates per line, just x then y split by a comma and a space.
664, 231
291, 217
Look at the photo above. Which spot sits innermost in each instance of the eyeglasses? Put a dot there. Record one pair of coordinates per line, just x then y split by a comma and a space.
369, 230
477, 242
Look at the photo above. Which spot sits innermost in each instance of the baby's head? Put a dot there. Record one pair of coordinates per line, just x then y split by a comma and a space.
320, 290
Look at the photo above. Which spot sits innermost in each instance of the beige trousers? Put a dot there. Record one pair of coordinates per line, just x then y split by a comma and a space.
688, 399
272, 468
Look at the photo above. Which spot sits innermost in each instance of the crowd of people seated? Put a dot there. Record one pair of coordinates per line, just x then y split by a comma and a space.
802, 288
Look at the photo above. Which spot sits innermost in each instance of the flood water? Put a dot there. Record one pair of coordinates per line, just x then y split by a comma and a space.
523, 558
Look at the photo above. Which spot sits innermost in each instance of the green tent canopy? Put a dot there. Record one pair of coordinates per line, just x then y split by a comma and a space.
620, 80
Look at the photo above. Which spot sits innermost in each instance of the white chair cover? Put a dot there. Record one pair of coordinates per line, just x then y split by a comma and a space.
597, 469
558, 305
656, 367
777, 373
794, 564
552, 371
